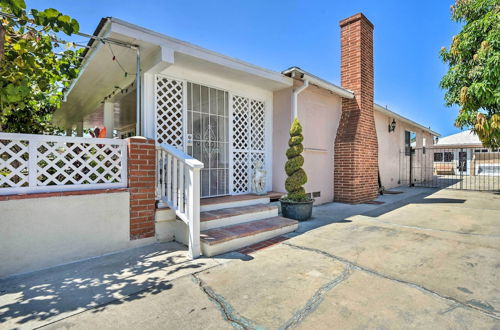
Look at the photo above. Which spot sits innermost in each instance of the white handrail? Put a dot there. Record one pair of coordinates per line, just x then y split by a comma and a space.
178, 186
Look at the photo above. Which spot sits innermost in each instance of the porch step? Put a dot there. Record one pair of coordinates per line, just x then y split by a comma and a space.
236, 215
224, 202
221, 240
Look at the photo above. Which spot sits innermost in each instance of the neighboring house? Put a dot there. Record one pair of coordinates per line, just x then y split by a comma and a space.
209, 121
463, 153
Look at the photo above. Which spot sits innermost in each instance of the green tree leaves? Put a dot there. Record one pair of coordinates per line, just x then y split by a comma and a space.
34, 70
473, 79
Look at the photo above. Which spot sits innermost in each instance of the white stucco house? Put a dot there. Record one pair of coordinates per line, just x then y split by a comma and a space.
206, 122
208, 104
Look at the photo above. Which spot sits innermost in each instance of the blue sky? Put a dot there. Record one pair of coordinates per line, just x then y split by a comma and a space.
279, 34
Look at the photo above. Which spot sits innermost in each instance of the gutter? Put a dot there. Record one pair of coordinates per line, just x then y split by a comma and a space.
342, 92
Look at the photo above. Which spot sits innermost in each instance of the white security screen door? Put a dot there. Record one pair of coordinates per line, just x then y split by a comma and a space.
208, 136
248, 145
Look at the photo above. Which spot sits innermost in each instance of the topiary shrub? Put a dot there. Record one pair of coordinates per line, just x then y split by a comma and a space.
296, 175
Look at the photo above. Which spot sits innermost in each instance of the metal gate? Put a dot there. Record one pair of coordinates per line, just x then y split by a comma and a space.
457, 168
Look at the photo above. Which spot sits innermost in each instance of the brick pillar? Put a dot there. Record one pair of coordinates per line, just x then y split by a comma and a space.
356, 147
141, 183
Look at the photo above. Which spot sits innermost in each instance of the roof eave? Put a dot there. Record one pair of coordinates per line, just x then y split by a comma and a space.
388, 112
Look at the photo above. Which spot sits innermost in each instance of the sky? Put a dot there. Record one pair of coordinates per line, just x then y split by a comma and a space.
277, 34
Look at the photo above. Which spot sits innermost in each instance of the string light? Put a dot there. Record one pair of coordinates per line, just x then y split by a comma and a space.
114, 59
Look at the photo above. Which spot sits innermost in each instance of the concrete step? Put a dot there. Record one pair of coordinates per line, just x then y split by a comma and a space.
224, 202
236, 215
221, 240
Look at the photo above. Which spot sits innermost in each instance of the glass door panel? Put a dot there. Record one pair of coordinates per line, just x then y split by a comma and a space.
207, 136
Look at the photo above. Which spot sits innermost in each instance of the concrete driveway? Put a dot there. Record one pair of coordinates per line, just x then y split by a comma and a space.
422, 259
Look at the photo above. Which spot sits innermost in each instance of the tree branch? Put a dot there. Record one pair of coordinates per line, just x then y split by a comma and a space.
2, 41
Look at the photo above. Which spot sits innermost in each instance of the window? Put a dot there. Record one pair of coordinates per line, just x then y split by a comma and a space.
410, 141
443, 156
448, 156
484, 150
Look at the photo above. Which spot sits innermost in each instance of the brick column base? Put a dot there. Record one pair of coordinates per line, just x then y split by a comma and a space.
142, 186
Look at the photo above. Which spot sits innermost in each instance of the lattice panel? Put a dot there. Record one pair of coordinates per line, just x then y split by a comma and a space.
63, 163
14, 158
169, 111
241, 179
241, 118
257, 129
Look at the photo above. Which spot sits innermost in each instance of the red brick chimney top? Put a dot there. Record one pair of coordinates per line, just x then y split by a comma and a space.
354, 18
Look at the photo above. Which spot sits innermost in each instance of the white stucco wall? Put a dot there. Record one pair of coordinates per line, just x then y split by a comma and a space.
42, 232
393, 164
319, 112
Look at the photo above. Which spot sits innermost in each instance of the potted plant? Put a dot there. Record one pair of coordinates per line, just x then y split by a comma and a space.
296, 204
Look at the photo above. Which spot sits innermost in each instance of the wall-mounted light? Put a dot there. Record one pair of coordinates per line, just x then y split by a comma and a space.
392, 126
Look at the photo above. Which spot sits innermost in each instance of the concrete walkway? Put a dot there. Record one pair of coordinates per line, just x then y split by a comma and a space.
422, 259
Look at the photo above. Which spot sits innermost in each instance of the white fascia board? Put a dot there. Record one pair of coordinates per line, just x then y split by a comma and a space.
183, 47
392, 114
314, 80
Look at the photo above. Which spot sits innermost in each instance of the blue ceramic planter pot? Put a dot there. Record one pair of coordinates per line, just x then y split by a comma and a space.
300, 211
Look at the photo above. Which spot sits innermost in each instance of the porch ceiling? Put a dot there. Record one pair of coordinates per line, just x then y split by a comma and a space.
100, 75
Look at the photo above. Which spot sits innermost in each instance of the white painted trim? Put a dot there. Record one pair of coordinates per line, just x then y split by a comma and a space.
225, 205
138, 32
231, 140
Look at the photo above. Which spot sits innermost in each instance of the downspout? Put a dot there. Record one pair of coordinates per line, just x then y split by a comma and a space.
296, 93
138, 112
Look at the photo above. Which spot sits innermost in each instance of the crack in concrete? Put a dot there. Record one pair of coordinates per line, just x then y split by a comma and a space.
431, 229
316, 300
228, 312
410, 284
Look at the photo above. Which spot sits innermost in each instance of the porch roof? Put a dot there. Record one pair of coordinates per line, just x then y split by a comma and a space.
104, 65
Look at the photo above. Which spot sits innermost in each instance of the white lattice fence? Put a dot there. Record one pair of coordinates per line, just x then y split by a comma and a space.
38, 163
248, 140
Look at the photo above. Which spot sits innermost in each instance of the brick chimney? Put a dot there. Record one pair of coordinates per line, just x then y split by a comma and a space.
356, 147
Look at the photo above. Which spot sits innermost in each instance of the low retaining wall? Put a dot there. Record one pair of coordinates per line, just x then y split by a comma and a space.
43, 230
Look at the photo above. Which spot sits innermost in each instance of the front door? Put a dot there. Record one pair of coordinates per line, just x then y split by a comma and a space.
196, 119
207, 137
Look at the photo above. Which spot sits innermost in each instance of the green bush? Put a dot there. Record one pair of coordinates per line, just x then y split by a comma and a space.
296, 175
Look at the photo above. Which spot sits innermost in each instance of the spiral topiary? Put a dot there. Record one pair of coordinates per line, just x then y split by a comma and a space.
296, 175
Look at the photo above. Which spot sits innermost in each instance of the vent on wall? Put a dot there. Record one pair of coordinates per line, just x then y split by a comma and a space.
316, 194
